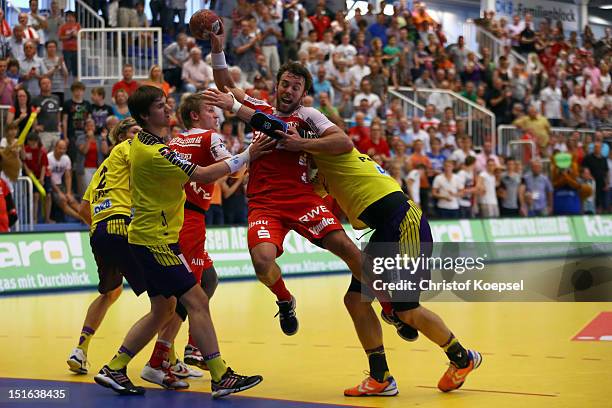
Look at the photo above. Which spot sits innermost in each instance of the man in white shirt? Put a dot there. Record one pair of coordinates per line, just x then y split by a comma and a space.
417, 133
61, 182
348, 51
374, 101
447, 188
309, 43
196, 73
515, 29
441, 100
429, 120
360, 69
327, 45
413, 181
486, 185
464, 150
550, 98
468, 185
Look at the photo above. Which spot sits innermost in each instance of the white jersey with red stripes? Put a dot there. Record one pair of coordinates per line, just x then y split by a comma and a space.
282, 173
201, 147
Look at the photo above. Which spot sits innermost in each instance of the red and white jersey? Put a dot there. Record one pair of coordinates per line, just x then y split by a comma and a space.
282, 172
201, 147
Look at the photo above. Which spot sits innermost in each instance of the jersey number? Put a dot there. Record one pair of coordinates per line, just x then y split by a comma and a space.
102, 183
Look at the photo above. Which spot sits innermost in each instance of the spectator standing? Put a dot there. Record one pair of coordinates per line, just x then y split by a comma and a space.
270, 34
320, 22
20, 110
74, 114
447, 190
175, 55
485, 155
60, 167
467, 182
214, 214
92, 148
56, 70
54, 22
36, 163
7, 86
538, 191
31, 69
373, 100
68, 33
589, 202
413, 182
37, 22
418, 157
511, 190
197, 74
550, 98
597, 163
537, 125
486, 185
48, 120
29, 32
16, 43
127, 16
567, 191
245, 45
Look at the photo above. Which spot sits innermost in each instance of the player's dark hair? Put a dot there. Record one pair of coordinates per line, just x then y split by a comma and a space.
141, 100
297, 69
190, 103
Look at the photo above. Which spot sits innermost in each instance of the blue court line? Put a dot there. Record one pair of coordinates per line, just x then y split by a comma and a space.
94, 396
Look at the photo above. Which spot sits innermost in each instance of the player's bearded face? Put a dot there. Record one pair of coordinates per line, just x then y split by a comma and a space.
289, 92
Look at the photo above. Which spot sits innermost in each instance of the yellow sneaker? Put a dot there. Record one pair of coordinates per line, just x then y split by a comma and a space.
372, 388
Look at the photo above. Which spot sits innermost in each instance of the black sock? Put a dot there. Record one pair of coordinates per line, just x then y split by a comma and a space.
378, 364
458, 355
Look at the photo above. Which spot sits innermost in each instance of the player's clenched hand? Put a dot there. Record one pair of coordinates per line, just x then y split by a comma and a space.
291, 140
217, 98
261, 146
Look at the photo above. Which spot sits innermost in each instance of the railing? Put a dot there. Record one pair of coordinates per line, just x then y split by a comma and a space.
508, 133
522, 150
24, 203
3, 113
103, 52
485, 39
478, 122
410, 106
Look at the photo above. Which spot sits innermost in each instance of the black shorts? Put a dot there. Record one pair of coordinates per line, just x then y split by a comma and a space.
165, 269
400, 228
112, 253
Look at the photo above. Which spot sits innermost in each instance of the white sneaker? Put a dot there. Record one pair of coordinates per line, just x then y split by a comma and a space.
162, 376
77, 362
181, 370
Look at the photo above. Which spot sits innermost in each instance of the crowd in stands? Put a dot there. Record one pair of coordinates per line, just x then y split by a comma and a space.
565, 81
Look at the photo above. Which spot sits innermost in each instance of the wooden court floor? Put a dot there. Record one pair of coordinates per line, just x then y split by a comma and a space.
530, 356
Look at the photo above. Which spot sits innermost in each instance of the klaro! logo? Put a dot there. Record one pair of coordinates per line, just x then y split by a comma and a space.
55, 252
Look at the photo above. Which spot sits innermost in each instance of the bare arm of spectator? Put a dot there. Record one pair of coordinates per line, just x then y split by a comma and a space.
522, 200
68, 183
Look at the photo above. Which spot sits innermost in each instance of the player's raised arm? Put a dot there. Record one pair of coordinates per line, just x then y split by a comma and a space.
210, 174
264, 122
221, 74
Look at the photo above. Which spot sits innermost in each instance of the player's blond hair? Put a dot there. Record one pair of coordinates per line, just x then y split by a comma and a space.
190, 103
117, 134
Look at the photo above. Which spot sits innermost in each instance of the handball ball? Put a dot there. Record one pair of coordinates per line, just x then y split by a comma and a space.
204, 22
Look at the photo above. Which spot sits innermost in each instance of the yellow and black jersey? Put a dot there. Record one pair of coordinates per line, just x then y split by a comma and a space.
108, 192
157, 175
355, 181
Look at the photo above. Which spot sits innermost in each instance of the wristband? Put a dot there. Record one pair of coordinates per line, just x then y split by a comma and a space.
268, 124
218, 60
236, 162
236, 106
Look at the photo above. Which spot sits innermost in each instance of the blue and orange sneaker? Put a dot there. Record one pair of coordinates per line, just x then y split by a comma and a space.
372, 388
454, 377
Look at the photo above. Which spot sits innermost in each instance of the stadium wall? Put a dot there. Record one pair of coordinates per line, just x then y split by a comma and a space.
33, 262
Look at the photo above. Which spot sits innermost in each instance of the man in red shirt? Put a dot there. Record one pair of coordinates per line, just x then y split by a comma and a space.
320, 22
8, 213
127, 83
281, 197
35, 162
375, 144
200, 145
68, 33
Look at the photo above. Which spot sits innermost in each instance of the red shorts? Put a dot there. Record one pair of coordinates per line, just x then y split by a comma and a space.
308, 215
191, 241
